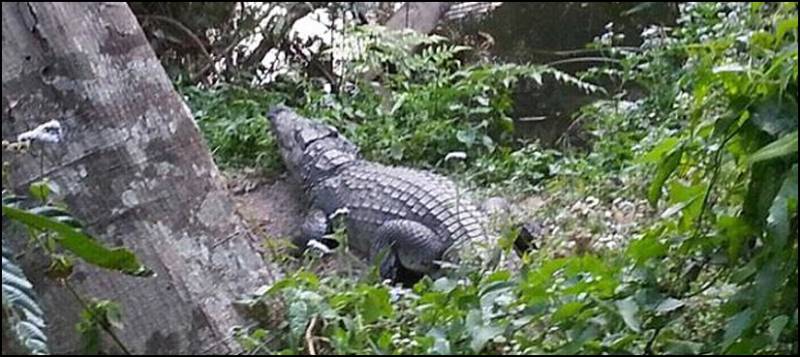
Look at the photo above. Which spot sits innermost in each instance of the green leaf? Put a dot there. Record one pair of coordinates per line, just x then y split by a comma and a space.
776, 326
785, 26
736, 326
441, 345
765, 285
680, 347
566, 311
680, 193
40, 190
775, 117
628, 309
90, 336
745, 272
669, 304
786, 145
81, 244
734, 231
444, 285
779, 219
646, 248
671, 210
114, 316
761, 192
660, 150
466, 136
665, 169
376, 304
398, 104
479, 332
299, 315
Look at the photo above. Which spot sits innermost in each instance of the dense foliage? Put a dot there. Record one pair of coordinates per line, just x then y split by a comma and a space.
710, 267
428, 104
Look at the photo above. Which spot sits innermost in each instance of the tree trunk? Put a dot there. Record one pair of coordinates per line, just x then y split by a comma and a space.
421, 17
135, 169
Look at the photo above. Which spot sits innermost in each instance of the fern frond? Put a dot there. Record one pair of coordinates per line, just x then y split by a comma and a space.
20, 302
570, 79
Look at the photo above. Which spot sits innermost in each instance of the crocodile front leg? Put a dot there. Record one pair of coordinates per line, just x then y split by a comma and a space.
315, 226
408, 249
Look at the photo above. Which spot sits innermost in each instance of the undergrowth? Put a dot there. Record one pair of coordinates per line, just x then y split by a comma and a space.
696, 184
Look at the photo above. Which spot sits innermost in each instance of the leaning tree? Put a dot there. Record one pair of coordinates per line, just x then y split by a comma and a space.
133, 166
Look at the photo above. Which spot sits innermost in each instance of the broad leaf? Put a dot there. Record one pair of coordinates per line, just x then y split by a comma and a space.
669, 304
786, 145
81, 244
646, 248
628, 309
736, 326
665, 169
776, 326
778, 221
441, 345
660, 150
376, 304
480, 332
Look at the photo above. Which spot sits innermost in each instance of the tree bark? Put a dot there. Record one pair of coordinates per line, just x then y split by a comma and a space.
421, 17
135, 169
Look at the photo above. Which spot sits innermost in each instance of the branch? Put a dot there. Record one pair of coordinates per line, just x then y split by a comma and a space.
313, 61
177, 24
270, 40
584, 59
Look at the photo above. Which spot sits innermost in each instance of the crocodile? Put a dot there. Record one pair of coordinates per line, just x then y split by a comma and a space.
407, 217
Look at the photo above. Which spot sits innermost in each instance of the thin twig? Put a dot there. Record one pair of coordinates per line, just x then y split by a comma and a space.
312, 61
177, 24
584, 59
585, 50
229, 237
714, 178
225, 52
310, 336
106, 328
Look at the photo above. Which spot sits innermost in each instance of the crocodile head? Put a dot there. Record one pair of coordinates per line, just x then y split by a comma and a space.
311, 150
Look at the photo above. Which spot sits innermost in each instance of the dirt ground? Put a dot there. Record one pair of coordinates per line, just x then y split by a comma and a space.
273, 206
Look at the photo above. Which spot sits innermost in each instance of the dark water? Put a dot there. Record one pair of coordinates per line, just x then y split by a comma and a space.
539, 32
